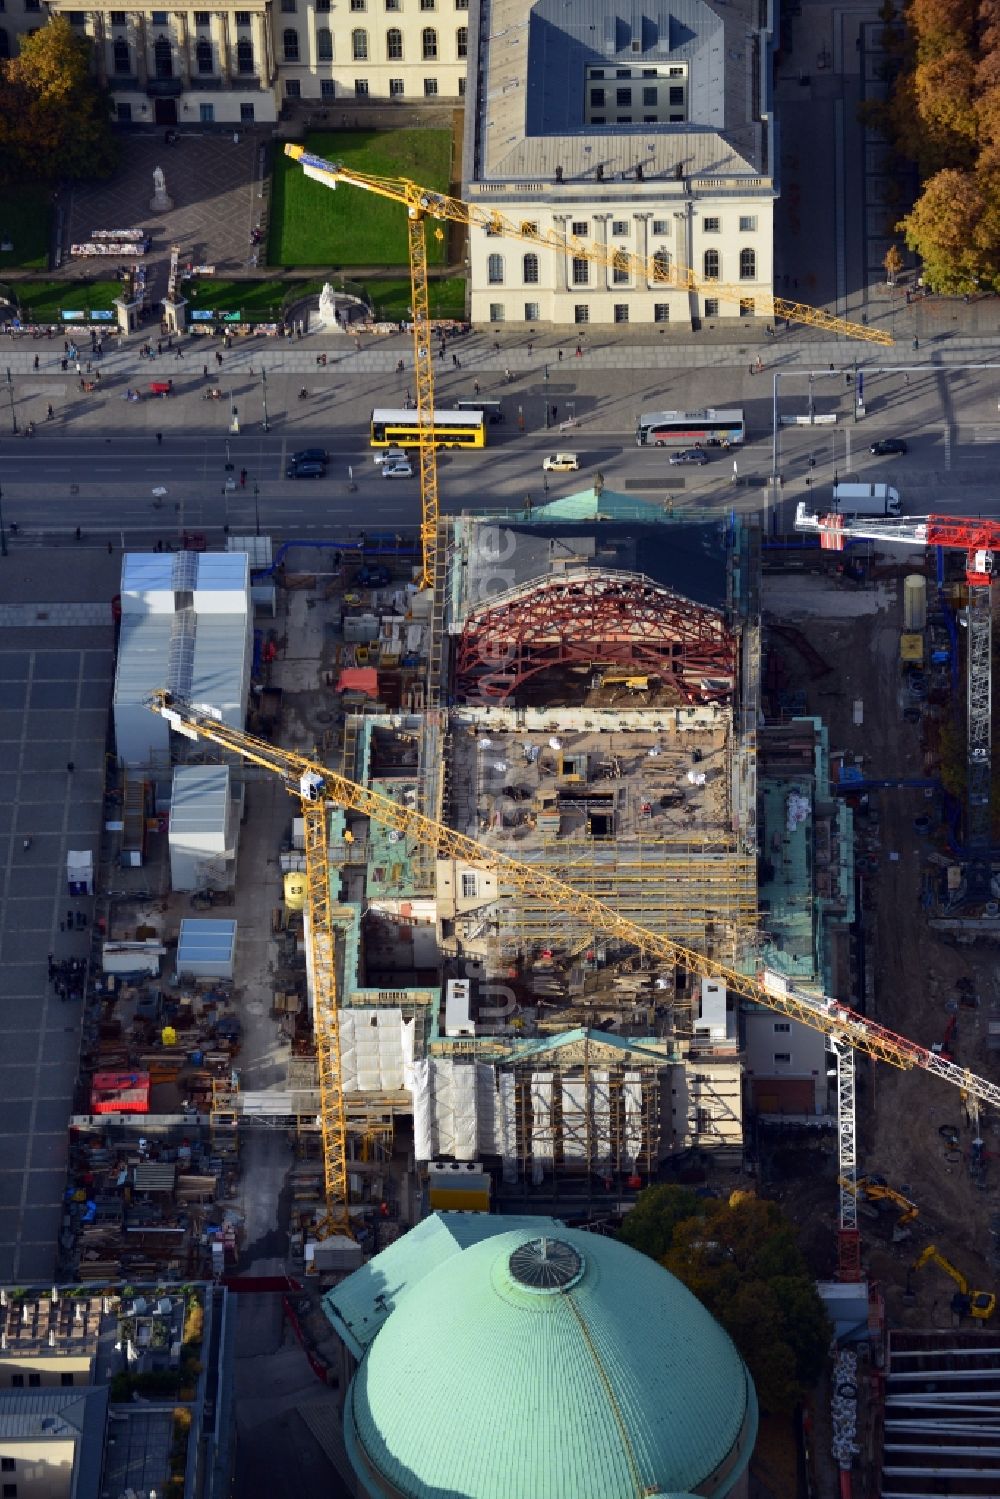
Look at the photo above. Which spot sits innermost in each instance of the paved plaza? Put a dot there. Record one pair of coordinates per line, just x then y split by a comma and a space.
55, 680
215, 184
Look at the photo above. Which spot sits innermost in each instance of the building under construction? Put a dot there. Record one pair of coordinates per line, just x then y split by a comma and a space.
598, 718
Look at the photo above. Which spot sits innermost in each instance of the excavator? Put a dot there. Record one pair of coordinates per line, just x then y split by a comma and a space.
965, 1303
877, 1189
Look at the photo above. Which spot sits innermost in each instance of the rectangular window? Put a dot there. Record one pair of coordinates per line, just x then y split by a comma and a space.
747, 307
461, 87
395, 88
619, 228
597, 98
620, 273
649, 95
246, 114
66, 1380
676, 119
361, 88
496, 312
676, 72
597, 72
34, 1381
711, 226
470, 886
782, 1056
158, 18
676, 95
581, 312
119, 18
17, 1381
359, 4
661, 312
581, 271
206, 114
428, 4
661, 226
293, 89
202, 18
243, 18
531, 312
430, 87
748, 223
77, 18
288, 6
124, 113
461, 4
580, 228
323, 5
623, 72
327, 88
650, 73
10, 1491
621, 312
598, 120
392, 4
7, 1465
711, 307
623, 97
782, 1027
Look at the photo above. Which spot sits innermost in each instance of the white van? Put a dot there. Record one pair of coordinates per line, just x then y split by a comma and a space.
866, 499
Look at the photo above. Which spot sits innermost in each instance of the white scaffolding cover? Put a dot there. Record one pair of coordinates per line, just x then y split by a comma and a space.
600, 1106
454, 1110
464, 1112
423, 1143
508, 1125
542, 1145
371, 1051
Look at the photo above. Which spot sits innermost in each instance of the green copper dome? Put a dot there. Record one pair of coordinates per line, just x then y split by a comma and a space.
549, 1364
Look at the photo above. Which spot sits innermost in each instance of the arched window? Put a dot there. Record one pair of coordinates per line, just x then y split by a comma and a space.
530, 268
359, 44
244, 55
711, 265
290, 44
661, 265
163, 57
748, 265
120, 56
203, 54
394, 44
494, 270
462, 41
324, 44
429, 43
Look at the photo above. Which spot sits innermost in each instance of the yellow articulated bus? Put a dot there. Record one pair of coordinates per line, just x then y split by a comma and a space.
450, 429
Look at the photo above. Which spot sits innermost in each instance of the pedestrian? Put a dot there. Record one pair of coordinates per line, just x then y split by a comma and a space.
560, 356
97, 377
454, 360
243, 478
751, 370
111, 547
204, 371
159, 438
79, 367
496, 347
458, 362
831, 366
79, 534
49, 413
36, 361
555, 412
178, 353
906, 381
916, 345
579, 352
159, 346
218, 358
529, 350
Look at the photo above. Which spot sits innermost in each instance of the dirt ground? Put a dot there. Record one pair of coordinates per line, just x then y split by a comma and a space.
855, 629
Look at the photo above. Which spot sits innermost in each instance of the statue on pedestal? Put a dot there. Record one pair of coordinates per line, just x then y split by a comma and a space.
160, 200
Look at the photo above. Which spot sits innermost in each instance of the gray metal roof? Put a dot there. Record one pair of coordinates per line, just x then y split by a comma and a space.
199, 799
78, 1414
533, 62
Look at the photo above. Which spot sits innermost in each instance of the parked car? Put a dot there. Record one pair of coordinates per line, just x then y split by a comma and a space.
689, 455
399, 468
392, 455
310, 468
561, 463
311, 455
886, 447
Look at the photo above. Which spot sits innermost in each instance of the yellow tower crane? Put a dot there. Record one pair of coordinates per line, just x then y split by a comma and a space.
318, 788
421, 203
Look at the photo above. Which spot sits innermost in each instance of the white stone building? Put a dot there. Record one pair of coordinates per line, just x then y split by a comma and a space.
240, 66
642, 131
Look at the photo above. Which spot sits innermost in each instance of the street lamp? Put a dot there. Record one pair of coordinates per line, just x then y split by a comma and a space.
10, 392
263, 391
3, 529
546, 398
256, 509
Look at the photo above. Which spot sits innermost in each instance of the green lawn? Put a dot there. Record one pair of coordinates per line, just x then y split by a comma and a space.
260, 301
312, 225
26, 221
391, 299
43, 301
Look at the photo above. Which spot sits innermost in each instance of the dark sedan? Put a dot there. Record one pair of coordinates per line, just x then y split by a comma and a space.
886, 447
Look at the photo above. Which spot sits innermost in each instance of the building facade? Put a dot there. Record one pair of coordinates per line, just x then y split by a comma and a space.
241, 66
656, 156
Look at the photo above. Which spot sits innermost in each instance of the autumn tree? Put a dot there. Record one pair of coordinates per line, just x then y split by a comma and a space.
893, 262
954, 229
742, 1262
54, 120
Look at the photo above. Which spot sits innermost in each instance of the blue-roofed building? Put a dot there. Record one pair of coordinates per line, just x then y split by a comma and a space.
645, 132
516, 1358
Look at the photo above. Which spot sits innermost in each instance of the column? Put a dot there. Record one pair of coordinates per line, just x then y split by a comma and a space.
100, 49
261, 58
225, 59
184, 49
642, 249
141, 45
601, 220
560, 220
